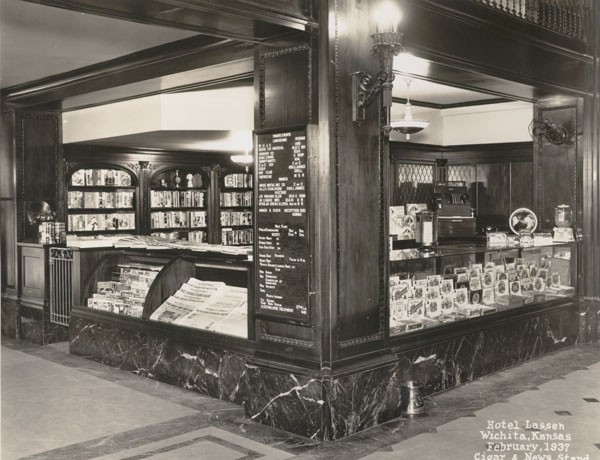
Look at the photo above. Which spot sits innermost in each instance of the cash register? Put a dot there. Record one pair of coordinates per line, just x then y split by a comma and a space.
455, 214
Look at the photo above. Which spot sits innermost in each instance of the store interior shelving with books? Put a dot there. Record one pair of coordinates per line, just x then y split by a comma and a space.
201, 199
101, 200
179, 204
236, 209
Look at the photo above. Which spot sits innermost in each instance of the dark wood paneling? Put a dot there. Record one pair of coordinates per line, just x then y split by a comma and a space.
8, 203
32, 273
493, 194
555, 166
7, 156
39, 159
284, 84
408, 152
445, 33
8, 244
360, 198
243, 20
521, 185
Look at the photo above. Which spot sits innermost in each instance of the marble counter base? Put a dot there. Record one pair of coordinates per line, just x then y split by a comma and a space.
33, 327
206, 370
8, 317
331, 409
589, 324
324, 408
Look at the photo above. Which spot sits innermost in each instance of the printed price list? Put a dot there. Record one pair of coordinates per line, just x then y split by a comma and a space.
282, 250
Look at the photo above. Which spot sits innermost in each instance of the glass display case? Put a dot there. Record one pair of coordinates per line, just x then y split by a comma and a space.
166, 287
459, 282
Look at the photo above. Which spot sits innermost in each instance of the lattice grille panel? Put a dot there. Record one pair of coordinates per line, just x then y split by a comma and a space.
414, 183
465, 173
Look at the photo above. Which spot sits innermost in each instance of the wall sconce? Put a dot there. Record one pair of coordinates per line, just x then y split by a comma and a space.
408, 125
387, 44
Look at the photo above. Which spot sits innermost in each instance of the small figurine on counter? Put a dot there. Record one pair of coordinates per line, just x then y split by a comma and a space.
177, 179
190, 180
163, 183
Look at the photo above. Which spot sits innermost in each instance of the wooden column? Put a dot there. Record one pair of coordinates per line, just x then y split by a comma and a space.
591, 179
358, 157
8, 204
40, 173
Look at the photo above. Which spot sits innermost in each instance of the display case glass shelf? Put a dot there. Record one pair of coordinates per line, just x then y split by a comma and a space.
173, 289
463, 281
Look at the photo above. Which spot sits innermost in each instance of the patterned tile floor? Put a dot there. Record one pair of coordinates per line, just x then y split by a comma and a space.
60, 407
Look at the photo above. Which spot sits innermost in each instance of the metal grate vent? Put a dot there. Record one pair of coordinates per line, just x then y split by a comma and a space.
61, 293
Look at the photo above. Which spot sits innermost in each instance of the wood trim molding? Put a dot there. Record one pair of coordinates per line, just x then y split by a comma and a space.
406, 152
262, 60
172, 58
253, 20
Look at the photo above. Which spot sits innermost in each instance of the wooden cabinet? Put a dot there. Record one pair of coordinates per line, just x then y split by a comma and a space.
197, 197
32, 274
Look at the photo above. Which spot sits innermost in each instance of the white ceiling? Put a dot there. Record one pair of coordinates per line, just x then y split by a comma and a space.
37, 41
435, 93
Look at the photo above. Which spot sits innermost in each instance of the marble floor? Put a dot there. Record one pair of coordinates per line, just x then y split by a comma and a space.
59, 407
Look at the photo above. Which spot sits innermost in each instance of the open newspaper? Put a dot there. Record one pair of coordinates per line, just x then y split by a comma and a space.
209, 305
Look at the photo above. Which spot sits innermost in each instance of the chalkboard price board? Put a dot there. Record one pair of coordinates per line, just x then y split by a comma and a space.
281, 243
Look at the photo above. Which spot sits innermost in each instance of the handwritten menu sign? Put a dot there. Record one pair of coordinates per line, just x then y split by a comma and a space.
281, 243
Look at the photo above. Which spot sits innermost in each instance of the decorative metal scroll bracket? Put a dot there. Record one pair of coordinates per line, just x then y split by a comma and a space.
364, 90
554, 133
366, 87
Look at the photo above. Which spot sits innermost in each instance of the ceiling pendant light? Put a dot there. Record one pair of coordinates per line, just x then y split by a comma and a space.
246, 159
408, 125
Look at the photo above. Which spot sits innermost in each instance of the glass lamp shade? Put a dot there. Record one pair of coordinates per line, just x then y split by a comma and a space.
408, 125
242, 159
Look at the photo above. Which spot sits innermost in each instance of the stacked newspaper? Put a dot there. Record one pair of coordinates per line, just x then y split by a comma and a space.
209, 305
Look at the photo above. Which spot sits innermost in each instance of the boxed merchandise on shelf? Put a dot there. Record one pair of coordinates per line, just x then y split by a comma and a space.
127, 292
240, 180
75, 200
174, 219
232, 199
231, 236
177, 199
236, 218
101, 222
475, 289
100, 177
100, 200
